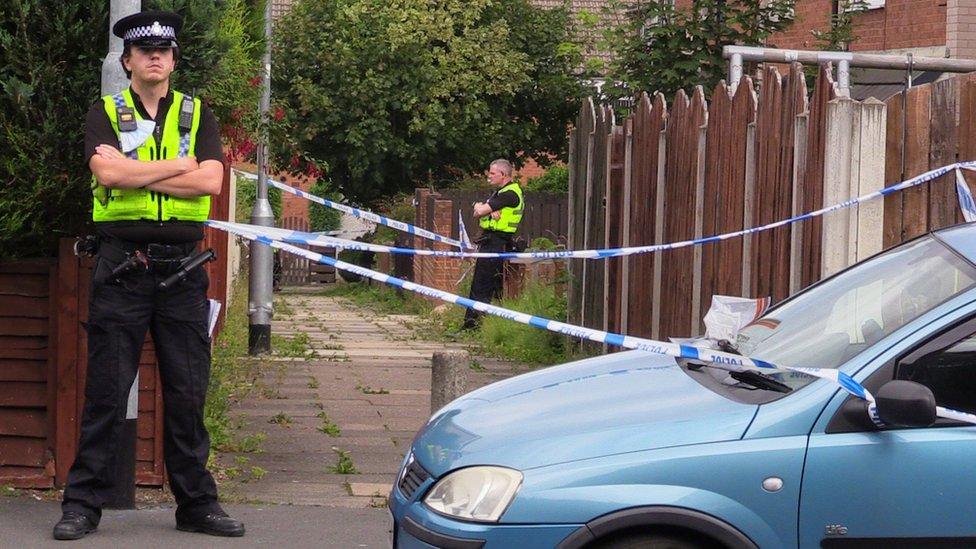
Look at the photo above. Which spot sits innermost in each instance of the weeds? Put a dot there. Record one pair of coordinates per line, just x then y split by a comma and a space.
251, 444
380, 299
232, 373
313, 382
328, 426
367, 390
282, 308
296, 346
344, 464
282, 419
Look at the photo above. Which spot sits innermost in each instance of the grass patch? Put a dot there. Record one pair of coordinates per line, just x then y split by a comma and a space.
344, 464
514, 341
379, 298
297, 346
232, 373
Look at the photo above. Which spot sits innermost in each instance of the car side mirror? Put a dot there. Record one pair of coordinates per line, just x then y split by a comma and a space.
905, 404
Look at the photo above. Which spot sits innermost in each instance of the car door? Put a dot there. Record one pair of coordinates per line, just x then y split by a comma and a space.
898, 487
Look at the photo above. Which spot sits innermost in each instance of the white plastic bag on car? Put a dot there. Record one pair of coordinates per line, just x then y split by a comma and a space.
727, 315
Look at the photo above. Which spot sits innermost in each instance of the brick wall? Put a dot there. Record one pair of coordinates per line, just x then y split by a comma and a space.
961, 28
900, 24
442, 273
295, 206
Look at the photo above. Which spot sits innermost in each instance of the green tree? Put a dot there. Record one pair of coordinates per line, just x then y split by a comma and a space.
385, 94
50, 68
664, 48
840, 34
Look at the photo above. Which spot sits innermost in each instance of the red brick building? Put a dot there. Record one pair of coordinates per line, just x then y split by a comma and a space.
927, 28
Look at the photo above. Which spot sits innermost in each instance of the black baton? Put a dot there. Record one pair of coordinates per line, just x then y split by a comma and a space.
190, 264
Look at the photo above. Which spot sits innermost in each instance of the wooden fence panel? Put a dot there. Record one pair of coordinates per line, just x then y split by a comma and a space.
967, 125
943, 142
685, 119
594, 281
718, 164
731, 213
916, 200
578, 183
614, 229
770, 258
794, 104
27, 319
893, 230
649, 121
811, 241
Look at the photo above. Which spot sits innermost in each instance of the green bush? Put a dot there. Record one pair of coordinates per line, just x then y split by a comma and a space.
50, 68
400, 207
247, 192
322, 218
50, 61
555, 180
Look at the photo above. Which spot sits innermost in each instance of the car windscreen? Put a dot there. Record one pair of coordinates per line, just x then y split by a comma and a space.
832, 322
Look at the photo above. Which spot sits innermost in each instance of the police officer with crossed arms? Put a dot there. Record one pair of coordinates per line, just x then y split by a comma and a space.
156, 159
499, 217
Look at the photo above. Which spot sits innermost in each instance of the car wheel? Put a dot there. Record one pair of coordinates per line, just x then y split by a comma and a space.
642, 540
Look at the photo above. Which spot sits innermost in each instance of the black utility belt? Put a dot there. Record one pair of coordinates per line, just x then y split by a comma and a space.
161, 259
173, 261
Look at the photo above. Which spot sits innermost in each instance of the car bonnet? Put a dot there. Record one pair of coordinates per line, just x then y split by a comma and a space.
617, 403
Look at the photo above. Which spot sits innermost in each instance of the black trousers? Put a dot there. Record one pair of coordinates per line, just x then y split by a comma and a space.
487, 283
118, 316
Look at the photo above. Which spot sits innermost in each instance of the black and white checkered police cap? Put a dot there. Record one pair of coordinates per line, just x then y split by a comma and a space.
156, 29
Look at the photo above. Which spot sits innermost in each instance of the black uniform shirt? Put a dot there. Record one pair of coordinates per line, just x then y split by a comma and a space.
98, 131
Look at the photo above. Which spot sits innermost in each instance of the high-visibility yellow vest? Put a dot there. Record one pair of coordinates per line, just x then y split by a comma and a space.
142, 204
509, 216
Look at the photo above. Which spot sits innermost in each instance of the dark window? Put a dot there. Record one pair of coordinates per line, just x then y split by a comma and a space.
948, 370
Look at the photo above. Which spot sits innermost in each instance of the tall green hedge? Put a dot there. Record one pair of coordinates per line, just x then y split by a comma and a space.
50, 66
50, 69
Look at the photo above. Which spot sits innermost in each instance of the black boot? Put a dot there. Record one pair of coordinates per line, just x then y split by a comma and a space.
215, 524
73, 526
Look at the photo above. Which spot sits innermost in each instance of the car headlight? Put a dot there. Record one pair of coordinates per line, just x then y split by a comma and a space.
478, 494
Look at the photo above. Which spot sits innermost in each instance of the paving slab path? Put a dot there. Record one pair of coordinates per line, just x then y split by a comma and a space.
337, 425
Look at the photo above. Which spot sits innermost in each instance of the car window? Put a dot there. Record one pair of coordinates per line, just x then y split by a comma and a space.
835, 320
949, 371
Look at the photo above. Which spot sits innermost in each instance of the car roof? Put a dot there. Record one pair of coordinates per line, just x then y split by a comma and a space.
961, 238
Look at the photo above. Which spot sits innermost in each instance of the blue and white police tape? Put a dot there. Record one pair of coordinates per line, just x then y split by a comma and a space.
725, 361
965, 199
362, 214
966, 202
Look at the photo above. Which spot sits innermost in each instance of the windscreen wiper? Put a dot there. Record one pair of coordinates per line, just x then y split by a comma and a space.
759, 380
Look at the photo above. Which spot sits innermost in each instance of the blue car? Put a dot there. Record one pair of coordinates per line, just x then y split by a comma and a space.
634, 449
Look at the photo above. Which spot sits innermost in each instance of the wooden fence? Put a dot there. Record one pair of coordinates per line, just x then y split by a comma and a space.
43, 361
696, 168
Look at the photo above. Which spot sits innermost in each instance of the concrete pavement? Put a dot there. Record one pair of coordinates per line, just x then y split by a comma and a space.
26, 524
360, 400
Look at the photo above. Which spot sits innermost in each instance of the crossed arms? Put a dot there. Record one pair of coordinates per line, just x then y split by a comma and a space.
182, 177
